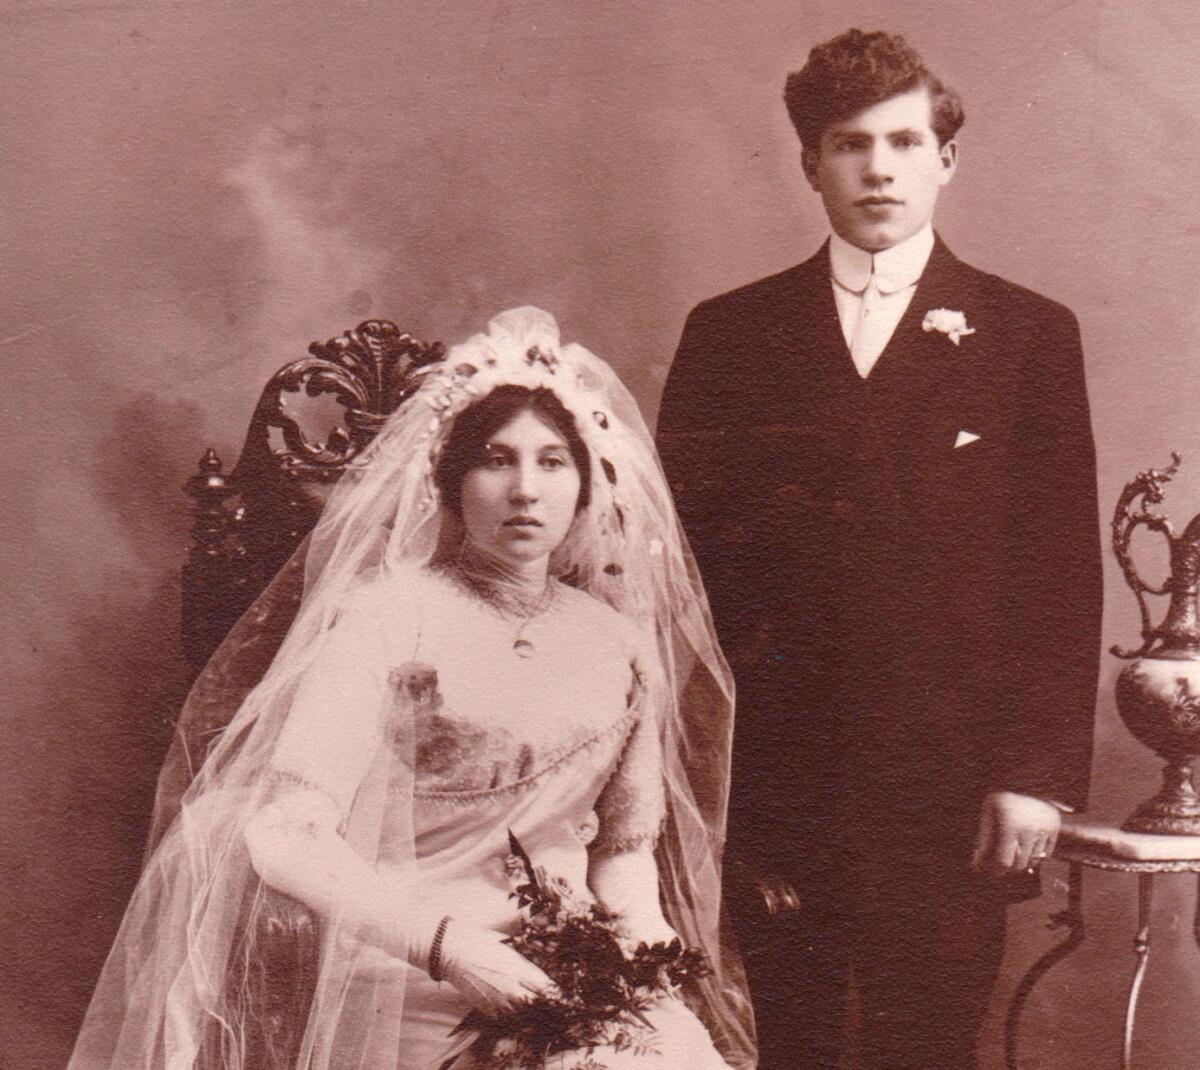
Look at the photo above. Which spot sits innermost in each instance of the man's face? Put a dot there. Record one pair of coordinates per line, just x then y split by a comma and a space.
879, 172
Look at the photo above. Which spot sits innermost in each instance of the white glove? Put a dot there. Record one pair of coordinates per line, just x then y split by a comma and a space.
627, 885
294, 846
489, 974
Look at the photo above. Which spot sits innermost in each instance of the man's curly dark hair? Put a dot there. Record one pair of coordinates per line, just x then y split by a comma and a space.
857, 70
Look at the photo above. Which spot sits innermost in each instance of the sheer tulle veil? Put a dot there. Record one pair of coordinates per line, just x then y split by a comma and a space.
189, 981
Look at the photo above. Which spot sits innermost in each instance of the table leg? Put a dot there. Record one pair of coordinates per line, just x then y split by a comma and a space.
1141, 948
1196, 917
1072, 919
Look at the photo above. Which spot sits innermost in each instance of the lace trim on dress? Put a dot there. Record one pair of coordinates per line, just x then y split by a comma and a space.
295, 780
289, 779
621, 725
620, 845
632, 808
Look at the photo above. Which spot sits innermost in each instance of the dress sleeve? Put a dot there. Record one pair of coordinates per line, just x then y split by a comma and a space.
633, 803
335, 724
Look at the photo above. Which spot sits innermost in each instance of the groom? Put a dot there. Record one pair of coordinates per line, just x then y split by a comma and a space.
884, 463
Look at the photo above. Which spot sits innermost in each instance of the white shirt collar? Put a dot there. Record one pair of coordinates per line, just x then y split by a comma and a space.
894, 268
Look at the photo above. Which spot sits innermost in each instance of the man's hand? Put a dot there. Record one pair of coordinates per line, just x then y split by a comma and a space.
1015, 832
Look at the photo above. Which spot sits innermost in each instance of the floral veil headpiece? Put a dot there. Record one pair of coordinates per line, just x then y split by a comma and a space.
629, 522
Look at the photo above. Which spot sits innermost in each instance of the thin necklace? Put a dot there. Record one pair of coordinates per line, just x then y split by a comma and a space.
501, 588
523, 647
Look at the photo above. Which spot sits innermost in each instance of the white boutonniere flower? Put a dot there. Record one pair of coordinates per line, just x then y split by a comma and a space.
951, 323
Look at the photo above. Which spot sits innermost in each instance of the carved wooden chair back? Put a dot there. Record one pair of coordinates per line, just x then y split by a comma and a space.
248, 523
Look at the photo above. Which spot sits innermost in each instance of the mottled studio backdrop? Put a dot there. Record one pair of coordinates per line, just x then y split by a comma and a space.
192, 190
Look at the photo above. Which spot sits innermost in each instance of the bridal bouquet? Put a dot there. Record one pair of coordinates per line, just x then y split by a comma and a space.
603, 992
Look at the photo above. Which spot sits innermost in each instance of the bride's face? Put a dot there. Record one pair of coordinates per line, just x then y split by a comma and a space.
519, 500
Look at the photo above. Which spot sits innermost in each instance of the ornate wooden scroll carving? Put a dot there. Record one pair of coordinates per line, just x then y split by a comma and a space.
249, 522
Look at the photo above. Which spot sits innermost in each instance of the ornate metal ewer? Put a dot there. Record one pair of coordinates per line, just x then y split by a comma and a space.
1158, 694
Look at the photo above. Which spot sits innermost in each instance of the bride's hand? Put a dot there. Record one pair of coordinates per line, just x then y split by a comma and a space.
488, 973
649, 931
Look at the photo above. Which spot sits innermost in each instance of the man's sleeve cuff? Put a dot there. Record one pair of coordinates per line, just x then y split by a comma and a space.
1062, 807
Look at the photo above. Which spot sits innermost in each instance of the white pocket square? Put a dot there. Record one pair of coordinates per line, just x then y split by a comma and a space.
965, 438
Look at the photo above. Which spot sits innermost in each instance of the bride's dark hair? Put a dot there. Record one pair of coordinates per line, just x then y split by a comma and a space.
476, 425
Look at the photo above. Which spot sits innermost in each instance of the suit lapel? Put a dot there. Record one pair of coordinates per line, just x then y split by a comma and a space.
803, 347
912, 354
808, 325
917, 381
911, 348
824, 328
920, 373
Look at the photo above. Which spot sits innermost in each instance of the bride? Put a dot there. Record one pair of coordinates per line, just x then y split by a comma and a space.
501, 630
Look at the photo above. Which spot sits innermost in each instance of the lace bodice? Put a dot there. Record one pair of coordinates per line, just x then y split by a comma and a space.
430, 673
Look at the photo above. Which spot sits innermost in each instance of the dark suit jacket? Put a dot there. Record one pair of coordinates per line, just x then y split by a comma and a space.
910, 624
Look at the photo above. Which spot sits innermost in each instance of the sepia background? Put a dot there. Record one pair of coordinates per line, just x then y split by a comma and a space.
193, 190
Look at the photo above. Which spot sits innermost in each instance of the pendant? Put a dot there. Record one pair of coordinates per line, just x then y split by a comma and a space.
523, 648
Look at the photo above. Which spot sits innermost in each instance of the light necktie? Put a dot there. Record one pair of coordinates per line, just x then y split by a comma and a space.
867, 342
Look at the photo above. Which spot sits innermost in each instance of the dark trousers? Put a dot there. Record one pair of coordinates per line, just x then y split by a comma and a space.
923, 953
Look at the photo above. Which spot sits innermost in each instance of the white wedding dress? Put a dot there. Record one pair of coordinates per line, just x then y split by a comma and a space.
555, 747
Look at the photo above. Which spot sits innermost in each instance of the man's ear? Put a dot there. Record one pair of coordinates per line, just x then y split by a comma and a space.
949, 157
809, 159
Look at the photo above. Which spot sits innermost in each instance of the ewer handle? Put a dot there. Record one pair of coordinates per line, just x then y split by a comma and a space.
1127, 517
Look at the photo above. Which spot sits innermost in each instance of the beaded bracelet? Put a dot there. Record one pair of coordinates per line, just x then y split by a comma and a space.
435, 950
